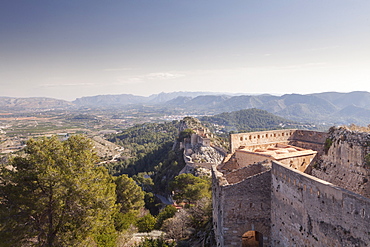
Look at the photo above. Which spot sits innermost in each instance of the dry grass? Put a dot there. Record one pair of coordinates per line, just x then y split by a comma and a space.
354, 127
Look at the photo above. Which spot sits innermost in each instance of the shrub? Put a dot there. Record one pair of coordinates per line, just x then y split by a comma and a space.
124, 221
367, 160
328, 143
160, 242
146, 223
166, 213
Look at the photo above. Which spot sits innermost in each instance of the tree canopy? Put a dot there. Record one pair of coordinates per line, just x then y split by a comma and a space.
55, 195
145, 146
191, 188
247, 120
129, 194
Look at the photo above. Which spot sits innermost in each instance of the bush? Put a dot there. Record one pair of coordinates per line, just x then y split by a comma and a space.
160, 242
107, 237
146, 223
367, 160
328, 143
124, 221
186, 134
166, 213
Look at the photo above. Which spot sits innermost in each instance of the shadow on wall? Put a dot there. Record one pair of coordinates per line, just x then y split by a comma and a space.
252, 239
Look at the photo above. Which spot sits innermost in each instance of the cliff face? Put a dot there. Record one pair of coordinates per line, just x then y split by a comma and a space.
344, 162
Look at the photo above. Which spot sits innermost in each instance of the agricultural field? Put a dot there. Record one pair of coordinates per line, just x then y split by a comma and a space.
18, 126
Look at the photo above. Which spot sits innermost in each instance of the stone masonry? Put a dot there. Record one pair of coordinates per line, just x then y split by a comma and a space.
277, 202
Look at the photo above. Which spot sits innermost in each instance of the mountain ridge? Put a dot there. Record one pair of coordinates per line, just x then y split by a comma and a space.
325, 107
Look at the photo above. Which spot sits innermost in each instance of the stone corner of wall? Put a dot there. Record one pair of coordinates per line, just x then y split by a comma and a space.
218, 176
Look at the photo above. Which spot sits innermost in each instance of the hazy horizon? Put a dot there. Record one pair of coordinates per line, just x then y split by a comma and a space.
71, 49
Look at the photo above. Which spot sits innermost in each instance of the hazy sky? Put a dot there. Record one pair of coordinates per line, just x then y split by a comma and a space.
72, 48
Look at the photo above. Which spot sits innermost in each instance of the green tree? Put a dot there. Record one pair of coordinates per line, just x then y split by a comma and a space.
166, 213
186, 133
146, 223
124, 221
191, 188
152, 203
55, 195
129, 195
144, 180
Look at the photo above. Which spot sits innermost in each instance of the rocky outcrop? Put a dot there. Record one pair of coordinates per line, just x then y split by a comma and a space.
199, 159
344, 162
201, 154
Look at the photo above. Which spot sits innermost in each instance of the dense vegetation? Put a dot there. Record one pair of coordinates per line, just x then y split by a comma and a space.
246, 120
153, 157
145, 145
58, 195
55, 195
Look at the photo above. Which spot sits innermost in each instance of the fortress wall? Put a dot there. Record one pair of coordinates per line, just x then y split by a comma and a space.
307, 211
245, 158
299, 163
242, 207
261, 137
251, 170
344, 164
301, 138
218, 205
242, 159
345, 152
309, 136
251, 148
319, 147
309, 140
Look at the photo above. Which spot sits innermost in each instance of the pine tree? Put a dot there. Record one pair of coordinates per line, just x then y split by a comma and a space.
55, 195
129, 195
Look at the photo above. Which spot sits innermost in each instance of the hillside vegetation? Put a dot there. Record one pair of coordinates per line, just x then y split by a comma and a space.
144, 145
247, 120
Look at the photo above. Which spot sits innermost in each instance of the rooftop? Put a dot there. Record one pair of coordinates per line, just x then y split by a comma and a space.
279, 151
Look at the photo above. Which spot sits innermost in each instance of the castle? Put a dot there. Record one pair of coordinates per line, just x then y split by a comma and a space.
293, 188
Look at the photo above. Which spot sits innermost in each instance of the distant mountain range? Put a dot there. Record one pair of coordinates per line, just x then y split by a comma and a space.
30, 104
327, 107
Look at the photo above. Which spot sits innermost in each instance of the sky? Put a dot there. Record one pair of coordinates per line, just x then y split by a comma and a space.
67, 49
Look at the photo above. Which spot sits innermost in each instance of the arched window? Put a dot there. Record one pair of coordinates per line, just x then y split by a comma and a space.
252, 239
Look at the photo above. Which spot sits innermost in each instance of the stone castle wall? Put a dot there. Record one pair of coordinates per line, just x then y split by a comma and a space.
298, 162
307, 211
248, 171
344, 165
244, 158
296, 209
289, 208
301, 138
309, 140
234, 214
262, 137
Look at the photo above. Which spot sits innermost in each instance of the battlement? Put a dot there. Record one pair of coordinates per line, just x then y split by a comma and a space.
301, 138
